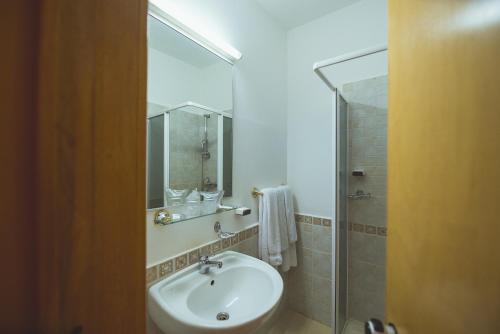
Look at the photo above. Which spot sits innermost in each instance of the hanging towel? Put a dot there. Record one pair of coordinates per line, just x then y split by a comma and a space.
290, 213
270, 246
278, 232
289, 258
282, 220
289, 254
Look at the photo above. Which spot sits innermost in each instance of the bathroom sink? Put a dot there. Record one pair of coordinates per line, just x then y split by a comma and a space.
236, 298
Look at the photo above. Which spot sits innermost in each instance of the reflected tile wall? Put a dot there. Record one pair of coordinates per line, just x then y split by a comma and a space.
185, 165
367, 103
185, 148
210, 165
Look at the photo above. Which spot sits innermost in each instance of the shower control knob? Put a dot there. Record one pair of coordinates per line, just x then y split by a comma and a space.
375, 326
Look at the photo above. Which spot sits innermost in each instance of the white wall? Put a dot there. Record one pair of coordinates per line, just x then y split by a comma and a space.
172, 82
259, 112
310, 110
162, 89
217, 82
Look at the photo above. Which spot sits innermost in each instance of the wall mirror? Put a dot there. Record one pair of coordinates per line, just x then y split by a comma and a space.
189, 124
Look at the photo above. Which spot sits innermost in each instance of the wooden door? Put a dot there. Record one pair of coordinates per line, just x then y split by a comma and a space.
76, 129
443, 166
18, 31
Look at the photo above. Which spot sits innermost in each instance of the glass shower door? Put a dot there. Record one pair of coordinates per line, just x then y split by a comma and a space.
341, 231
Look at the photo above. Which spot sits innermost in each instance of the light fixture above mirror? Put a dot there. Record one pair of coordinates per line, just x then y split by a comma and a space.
220, 48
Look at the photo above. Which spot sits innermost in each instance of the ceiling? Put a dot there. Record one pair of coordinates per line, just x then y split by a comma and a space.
293, 13
165, 39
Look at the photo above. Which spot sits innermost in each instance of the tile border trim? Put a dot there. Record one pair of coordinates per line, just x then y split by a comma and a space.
380, 231
313, 220
182, 260
353, 227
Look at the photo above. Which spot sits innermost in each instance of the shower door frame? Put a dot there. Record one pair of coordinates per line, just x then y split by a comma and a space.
336, 230
317, 67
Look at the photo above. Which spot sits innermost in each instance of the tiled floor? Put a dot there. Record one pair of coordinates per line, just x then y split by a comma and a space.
354, 327
294, 323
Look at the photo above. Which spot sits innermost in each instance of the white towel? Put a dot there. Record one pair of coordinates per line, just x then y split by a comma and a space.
290, 213
278, 230
289, 255
289, 258
270, 247
282, 219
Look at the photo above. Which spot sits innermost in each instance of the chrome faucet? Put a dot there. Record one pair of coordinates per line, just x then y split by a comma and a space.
205, 264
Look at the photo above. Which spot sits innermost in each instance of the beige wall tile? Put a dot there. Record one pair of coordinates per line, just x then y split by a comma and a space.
322, 264
305, 235
382, 231
367, 248
234, 240
206, 250
322, 312
316, 221
181, 262
226, 243
194, 256
166, 268
248, 233
322, 290
327, 222
216, 247
304, 259
151, 274
367, 290
322, 239
299, 218
370, 229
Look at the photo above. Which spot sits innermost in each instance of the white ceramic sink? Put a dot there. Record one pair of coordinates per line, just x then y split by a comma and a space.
188, 302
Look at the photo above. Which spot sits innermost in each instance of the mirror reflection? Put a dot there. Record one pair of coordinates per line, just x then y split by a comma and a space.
189, 125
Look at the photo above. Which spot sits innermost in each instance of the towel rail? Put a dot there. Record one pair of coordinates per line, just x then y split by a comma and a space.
256, 193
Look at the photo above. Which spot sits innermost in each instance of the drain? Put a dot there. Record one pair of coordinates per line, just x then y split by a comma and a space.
222, 316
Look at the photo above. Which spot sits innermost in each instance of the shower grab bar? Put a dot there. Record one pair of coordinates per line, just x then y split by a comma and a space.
360, 194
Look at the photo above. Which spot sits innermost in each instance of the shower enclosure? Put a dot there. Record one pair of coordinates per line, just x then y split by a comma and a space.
359, 233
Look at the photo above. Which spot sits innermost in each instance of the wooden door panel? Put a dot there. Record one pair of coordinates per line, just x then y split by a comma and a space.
18, 30
443, 163
91, 146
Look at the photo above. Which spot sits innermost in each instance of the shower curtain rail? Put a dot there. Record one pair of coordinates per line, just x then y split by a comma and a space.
344, 58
